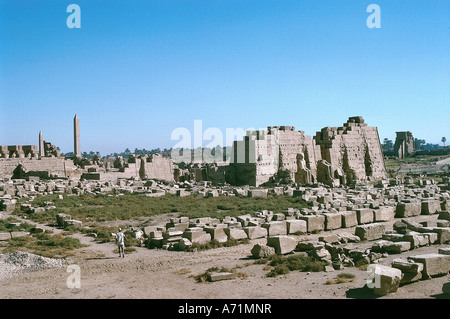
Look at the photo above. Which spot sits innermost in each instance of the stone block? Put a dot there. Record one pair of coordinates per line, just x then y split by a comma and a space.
445, 215
254, 232
364, 215
371, 231
397, 247
387, 280
296, 226
217, 276
330, 239
434, 264
411, 271
444, 251
235, 233
314, 222
333, 221
197, 236
217, 233
416, 239
262, 251
408, 209
275, 228
257, 192
349, 219
430, 207
5, 236
384, 214
184, 243
283, 244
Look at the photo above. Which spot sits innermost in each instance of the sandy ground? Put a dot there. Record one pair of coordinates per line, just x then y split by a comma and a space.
161, 274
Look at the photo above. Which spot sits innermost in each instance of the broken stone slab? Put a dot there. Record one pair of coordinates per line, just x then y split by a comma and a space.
262, 251
379, 245
371, 231
348, 238
184, 243
349, 219
434, 264
364, 215
73, 222
322, 254
309, 245
333, 221
257, 192
384, 214
314, 223
412, 271
254, 232
387, 280
275, 228
397, 247
197, 236
330, 239
296, 226
444, 251
283, 244
217, 276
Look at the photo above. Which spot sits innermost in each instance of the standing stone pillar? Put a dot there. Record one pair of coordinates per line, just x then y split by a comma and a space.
41, 145
76, 136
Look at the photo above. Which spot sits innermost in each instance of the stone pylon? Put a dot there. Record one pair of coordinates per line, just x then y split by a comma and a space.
41, 145
76, 136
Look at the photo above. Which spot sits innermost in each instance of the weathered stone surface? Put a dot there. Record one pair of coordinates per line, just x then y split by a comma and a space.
333, 221
411, 271
349, 219
365, 215
254, 232
387, 280
275, 228
371, 231
314, 222
257, 193
444, 251
330, 239
384, 213
282, 244
184, 243
5, 236
434, 264
296, 226
262, 251
197, 236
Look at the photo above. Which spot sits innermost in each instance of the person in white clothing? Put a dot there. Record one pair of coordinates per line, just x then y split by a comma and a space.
120, 240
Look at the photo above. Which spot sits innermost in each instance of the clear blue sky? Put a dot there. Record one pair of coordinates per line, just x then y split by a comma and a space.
136, 70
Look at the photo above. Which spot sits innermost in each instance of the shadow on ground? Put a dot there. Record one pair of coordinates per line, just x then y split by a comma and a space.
360, 293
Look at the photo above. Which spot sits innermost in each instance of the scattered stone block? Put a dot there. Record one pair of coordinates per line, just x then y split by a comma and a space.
217, 233
407, 209
411, 271
330, 239
217, 276
184, 243
197, 236
262, 251
254, 232
434, 264
235, 233
397, 247
430, 207
371, 231
296, 226
387, 280
283, 244
5, 236
314, 222
349, 219
257, 192
275, 228
364, 215
333, 221
384, 214
444, 251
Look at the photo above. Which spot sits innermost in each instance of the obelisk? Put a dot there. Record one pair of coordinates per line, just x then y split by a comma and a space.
76, 136
41, 145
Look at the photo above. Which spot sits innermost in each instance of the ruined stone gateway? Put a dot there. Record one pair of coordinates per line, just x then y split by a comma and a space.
334, 156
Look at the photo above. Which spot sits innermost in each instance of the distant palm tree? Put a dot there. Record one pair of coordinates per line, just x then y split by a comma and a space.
443, 140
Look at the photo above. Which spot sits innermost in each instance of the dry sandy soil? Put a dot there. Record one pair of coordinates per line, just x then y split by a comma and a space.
156, 273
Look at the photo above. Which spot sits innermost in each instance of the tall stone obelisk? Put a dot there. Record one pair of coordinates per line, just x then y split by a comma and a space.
76, 137
41, 145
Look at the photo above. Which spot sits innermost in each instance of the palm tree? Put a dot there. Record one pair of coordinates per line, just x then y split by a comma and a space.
443, 140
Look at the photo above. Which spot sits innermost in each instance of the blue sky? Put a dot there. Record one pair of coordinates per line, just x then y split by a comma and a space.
137, 70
